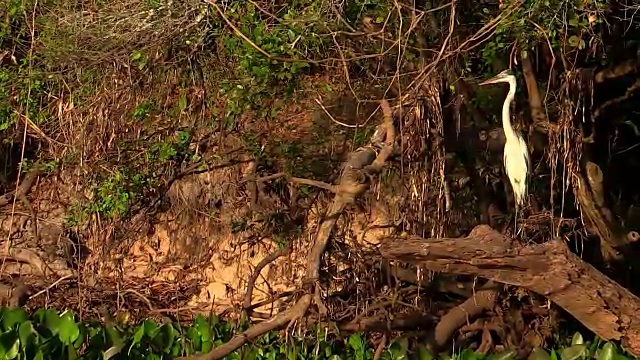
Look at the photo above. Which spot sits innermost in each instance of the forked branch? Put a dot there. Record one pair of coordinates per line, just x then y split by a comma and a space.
355, 179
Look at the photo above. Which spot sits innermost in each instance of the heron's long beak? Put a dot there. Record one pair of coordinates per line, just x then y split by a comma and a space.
493, 80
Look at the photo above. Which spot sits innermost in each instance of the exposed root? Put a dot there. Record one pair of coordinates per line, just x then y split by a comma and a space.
464, 313
487, 341
35, 261
380, 348
317, 299
617, 71
269, 301
407, 321
23, 188
21, 194
590, 193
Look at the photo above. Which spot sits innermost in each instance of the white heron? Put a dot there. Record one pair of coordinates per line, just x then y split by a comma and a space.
516, 155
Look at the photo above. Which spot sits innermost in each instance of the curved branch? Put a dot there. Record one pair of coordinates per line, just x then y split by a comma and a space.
278, 321
481, 301
256, 273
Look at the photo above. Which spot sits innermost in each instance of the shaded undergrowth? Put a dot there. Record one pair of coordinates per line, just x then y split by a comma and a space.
47, 334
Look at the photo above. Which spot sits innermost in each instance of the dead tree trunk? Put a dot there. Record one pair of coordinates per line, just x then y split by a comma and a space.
550, 269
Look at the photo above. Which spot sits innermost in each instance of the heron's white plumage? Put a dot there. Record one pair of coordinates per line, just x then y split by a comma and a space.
516, 154
516, 165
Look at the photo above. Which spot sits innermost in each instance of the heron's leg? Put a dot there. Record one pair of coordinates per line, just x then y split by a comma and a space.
508, 191
515, 221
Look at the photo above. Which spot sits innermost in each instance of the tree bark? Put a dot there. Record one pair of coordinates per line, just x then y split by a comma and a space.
549, 269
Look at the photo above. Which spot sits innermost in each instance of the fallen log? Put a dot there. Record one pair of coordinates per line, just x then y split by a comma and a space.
550, 269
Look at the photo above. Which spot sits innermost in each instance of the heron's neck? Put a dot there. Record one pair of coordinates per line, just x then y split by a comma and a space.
506, 112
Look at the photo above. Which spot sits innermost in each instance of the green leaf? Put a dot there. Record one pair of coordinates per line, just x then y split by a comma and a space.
608, 352
574, 352
52, 321
71, 353
39, 356
68, 330
582, 44
114, 336
182, 102
398, 348
574, 41
10, 317
355, 341
195, 338
574, 21
9, 345
169, 335
208, 345
137, 336
81, 337
505, 355
539, 354
26, 333
423, 353
111, 352
204, 329
577, 339
468, 354
150, 328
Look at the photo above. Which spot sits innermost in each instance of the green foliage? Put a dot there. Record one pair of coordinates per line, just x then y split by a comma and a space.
22, 93
288, 41
564, 25
23, 90
113, 195
49, 334
13, 27
171, 148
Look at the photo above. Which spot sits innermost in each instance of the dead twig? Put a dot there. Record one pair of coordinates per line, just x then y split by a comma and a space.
271, 300
295, 180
